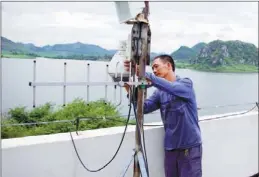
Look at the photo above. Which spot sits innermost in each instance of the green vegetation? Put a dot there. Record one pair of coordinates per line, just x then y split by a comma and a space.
95, 111
183, 65
219, 56
24, 55
238, 68
228, 69
20, 55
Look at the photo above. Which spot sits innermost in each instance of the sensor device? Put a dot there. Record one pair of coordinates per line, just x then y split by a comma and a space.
123, 11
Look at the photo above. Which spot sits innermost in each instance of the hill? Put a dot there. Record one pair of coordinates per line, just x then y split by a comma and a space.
197, 48
227, 56
185, 53
76, 50
220, 53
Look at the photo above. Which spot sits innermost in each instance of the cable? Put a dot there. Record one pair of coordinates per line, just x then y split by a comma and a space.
228, 105
88, 118
106, 117
64, 121
235, 114
123, 135
215, 118
137, 123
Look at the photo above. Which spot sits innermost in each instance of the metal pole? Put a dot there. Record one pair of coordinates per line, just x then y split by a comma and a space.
140, 101
88, 79
34, 87
64, 87
144, 32
106, 92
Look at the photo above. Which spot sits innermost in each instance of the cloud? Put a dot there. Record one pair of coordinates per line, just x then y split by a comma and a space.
172, 23
227, 29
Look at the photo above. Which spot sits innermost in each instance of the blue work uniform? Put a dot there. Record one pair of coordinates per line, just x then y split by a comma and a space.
182, 142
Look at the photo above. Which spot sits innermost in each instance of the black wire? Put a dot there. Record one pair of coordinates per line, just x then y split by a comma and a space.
214, 118
236, 114
123, 135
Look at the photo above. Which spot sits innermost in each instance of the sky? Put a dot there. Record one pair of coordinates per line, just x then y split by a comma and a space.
173, 24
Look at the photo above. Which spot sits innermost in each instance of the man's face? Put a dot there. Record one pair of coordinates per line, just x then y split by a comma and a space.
161, 68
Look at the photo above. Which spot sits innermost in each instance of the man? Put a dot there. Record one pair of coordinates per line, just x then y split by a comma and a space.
176, 100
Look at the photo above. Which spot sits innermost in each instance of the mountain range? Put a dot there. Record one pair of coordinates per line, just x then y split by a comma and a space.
215, 53
57, 49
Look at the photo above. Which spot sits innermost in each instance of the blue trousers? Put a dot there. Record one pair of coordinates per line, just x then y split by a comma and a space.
183, 162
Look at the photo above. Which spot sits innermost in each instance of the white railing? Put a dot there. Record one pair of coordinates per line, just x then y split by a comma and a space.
230, 148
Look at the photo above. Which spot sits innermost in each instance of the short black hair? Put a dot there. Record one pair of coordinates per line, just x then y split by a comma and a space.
167, 58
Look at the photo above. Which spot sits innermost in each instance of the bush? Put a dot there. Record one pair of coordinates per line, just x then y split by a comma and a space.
95, 112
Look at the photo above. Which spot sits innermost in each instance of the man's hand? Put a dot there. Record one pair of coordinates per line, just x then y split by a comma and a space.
127, 66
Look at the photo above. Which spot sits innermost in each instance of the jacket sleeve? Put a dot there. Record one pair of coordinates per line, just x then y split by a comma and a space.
152, 103
181, 88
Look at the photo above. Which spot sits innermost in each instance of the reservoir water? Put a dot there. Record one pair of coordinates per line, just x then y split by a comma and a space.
212, 89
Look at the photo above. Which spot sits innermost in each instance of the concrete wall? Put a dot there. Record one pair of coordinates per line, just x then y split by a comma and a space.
230, 147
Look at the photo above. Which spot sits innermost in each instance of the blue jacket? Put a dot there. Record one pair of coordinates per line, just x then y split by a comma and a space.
177, 103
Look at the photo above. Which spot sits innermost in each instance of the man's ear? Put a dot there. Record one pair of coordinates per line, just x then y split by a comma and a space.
168, 65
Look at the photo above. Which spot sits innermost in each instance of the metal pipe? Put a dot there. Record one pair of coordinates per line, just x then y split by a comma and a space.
121, 84
116, 71
141, 161
107, 69
130, 81
114, 94
34, 87
140, 101
121, 76
143, 39
64, 87
120, 97
88, 79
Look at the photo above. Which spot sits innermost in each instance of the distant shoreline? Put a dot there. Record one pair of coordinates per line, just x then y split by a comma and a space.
180, 65
222, 69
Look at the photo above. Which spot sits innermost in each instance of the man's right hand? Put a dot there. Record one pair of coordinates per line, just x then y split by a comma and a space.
127, 66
